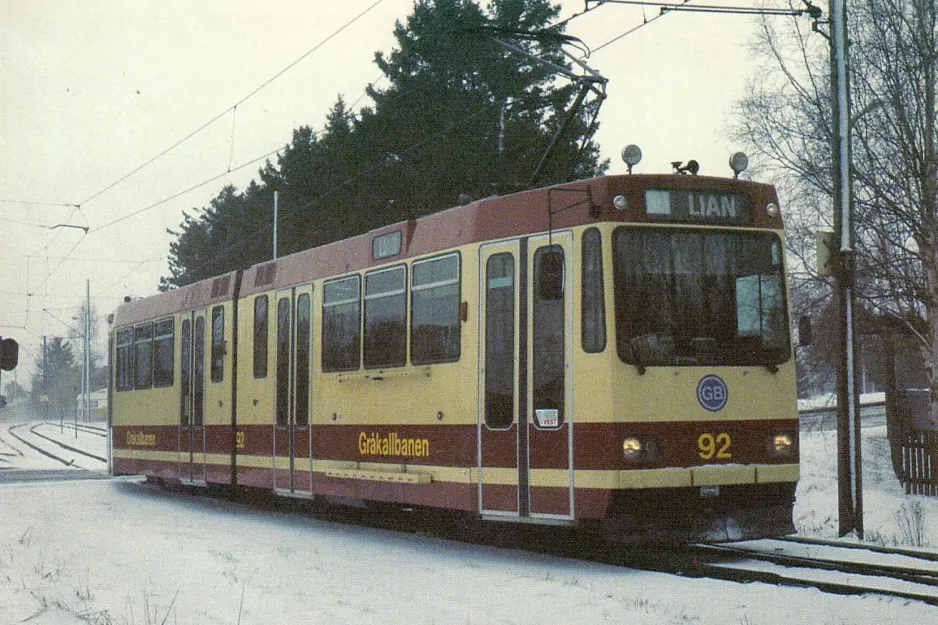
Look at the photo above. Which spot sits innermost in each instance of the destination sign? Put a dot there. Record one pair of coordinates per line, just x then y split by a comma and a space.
698, 206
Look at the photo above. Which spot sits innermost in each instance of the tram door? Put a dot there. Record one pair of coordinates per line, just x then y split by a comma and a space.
292, 433
192, 401
525, 421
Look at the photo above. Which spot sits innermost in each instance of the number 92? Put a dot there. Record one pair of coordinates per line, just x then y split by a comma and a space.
711, 446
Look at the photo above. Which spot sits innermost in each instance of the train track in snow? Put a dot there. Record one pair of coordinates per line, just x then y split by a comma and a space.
830, 566
22, 444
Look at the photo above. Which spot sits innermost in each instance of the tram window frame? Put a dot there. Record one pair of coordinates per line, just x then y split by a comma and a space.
593, 302
164, 337
304, 319
143, 344
426, 302
218, 344
500, 341
283, 348
261, 335
384, 344
124, 359
341, 345
185, 372
548, 344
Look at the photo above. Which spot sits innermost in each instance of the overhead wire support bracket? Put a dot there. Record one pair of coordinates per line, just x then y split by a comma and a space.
591, 78
811, 10
590, 81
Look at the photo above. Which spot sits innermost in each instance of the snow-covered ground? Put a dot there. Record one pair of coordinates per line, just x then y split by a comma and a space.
119, 552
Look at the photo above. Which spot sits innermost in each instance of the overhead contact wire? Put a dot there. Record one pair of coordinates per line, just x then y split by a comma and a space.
230, 108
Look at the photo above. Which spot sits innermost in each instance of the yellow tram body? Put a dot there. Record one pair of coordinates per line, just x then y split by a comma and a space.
473, 360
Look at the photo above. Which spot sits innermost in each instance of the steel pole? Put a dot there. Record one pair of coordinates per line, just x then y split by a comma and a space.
87, 397
849, 476
276, 219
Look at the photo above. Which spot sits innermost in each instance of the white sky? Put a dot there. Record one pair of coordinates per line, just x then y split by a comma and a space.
91, 91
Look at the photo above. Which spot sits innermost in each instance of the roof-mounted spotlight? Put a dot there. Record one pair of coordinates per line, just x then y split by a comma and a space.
738, 163
632, 155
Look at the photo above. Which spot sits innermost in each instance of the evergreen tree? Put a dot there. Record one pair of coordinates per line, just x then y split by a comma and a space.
461, 115
57, 380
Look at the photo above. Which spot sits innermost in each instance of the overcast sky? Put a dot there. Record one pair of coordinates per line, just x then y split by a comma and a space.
91, 92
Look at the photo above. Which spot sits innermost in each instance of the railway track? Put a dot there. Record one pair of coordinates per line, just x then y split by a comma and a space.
831, 566
25, 442
82, 427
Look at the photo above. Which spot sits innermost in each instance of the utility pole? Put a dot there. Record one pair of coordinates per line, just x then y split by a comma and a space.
849, 474
45, 377
81, 398
86, 400
276, 219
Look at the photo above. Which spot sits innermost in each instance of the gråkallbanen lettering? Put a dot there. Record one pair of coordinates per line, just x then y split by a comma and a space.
391, 444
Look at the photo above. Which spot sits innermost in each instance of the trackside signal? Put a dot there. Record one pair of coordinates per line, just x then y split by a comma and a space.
9, 354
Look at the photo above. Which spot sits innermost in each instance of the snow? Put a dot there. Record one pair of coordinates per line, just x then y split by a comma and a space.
121, 552
830, 401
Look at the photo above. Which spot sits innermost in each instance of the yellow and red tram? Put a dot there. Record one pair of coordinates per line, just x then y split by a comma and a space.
614, 351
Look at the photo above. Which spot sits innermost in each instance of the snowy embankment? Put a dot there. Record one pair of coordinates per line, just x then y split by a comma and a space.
122, 553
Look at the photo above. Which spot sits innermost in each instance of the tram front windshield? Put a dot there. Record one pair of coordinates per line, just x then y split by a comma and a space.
699, 297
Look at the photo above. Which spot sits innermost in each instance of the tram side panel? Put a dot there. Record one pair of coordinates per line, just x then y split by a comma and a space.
404, 434
218, 375
256, 389
145, 398
172, 383
596, 466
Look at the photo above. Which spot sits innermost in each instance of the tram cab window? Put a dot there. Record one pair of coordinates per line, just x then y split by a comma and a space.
163, 350
143, 356
688, 297
124, 360
593, 304
435, 322
341, 328
385, 343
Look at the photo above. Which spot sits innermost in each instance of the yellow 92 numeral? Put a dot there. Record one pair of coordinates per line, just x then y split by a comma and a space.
711, 446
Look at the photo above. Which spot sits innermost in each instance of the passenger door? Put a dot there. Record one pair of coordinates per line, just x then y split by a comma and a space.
292, 432
525, 422
192, 400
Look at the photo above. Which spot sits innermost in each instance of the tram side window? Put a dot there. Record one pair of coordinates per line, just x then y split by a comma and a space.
163, 335
386, 317
218, 344
341, 324
434, 323
143, 356
593, 305
260, 336
125, 360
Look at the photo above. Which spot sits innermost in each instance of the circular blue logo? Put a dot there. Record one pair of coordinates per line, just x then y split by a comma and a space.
712, 393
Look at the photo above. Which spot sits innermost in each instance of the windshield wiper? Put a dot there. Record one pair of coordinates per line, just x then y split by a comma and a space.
635, 358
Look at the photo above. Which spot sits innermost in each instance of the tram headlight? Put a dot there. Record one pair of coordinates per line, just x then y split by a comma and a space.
620, 202
632, 448
639, 449
782, 445
771, 209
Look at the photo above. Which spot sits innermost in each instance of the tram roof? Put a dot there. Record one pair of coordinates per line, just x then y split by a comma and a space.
493, 218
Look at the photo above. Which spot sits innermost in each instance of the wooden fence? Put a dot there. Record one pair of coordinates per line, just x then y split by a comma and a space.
918, 454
